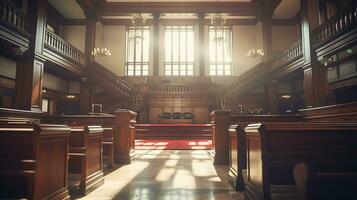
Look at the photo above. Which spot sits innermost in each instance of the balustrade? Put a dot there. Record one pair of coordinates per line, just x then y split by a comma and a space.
11, 15
57, 43
111, 80
287, 56
336, 24
179, 88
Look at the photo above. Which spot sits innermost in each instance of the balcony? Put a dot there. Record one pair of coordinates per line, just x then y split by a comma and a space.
13, 25
336, 33
62, 53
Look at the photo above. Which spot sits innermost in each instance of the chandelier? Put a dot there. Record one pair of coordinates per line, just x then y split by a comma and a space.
254, 53
218, 21
138, 19
102, 51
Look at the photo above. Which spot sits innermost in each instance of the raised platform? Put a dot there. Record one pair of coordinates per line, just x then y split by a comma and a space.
173, 131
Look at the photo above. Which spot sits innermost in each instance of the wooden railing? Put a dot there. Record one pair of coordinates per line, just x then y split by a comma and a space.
11, 15
245, 78
180, 88
56, 43
295, 51
336, 24
102, 75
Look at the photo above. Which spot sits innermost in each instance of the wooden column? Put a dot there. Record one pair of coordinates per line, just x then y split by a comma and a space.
87, 90
123, 138
315, 75
271, 96
86, 96
29, 69
220, 137
91, 22
267, 38
156, 45
201, 30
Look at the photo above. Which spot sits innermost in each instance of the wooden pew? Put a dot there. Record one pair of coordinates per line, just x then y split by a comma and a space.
330, 185
106, 121
33, 157
85, 157
341, 112
125, 140
237, 145
274, 148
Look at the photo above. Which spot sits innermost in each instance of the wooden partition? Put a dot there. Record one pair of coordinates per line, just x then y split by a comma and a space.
237, 143
341, 112
274, 148
106, 121
124, 141
220, 144
33, 157
327, 185
85, 157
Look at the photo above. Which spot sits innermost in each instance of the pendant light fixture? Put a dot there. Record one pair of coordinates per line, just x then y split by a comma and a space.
218, 21
254, 53
102, 51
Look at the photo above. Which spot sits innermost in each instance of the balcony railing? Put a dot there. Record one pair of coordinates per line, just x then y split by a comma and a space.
295, 51
11, 15
56, 43
179, 88
103, 76
336, 24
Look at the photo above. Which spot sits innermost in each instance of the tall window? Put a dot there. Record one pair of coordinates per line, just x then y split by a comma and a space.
220, 51
137, 51
179, 50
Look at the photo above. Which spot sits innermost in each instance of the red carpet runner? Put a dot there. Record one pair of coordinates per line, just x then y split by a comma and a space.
173, 144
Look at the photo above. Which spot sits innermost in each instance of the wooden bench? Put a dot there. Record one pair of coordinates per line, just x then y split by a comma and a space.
341, 112
274, 148
85, 157
106, 121
237, 146
327, 185
33, 157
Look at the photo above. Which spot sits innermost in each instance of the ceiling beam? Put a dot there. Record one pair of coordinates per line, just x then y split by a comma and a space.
270, 6
88, 6
234, 8
178, 21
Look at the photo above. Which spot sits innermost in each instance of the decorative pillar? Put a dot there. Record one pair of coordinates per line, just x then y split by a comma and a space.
86, 89
29, 69
267, 38
86, 96
315, 75
124, 138
220, 120
271, 96
156, 43
201, 20
91, 22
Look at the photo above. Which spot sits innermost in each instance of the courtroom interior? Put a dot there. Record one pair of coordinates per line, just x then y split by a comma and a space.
178, 100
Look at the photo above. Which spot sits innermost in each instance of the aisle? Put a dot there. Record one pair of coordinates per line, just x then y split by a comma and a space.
167, 175
177, 144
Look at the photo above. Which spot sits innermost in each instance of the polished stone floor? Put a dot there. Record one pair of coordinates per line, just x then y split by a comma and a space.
167, 175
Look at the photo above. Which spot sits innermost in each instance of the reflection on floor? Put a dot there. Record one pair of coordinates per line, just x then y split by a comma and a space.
167, 175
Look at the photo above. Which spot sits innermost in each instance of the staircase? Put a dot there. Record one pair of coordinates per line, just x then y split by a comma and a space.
115, 85
173, 131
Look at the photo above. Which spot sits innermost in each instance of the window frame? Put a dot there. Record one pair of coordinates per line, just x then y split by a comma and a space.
223, 63
136, 63
183, 66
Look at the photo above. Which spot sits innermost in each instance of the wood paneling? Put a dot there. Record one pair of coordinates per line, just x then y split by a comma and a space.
34, 157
